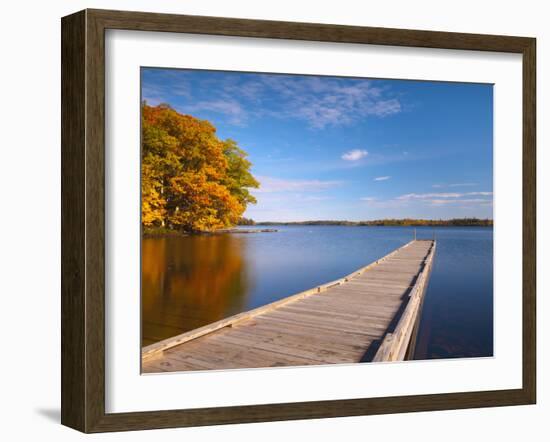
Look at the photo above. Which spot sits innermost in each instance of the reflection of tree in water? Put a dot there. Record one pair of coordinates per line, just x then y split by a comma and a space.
190, 281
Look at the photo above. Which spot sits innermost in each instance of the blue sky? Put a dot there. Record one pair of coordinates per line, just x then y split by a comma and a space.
344, 148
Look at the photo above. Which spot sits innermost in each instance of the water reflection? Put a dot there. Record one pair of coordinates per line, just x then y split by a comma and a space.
457, 318
190, 281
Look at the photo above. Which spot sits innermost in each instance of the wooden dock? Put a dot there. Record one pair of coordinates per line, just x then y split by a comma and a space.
369, 315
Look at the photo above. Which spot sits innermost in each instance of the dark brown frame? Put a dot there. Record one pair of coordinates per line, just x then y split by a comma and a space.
83, 217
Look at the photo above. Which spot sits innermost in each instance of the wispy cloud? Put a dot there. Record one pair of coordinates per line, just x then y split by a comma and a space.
354, 155
169, 84
382, 178
323, 102
463, 185
425, 196
467, 200
237, 115
437, 186
441, 202
320, 102
480, 193
416, 196
272, 185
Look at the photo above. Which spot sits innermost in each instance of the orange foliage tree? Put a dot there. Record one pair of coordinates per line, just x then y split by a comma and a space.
190, 179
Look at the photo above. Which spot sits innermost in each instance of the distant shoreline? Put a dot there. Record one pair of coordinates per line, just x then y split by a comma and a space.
256, 227
162, 232
458, 222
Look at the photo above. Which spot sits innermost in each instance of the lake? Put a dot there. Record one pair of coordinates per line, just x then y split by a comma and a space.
191, 281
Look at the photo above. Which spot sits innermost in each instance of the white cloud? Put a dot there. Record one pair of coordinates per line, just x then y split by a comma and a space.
454, 185
156, 92
415, 196
415, 201
319, 101
440, 202
462, 184
271, 185
354, 155
479, 193
231, 108
439, 196
382, 178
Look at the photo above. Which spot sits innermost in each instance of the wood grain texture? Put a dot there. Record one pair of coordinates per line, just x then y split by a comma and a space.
341, 324
73, 254
95, 220
529, 221
152, 350
83, 217
145, 21
397, 342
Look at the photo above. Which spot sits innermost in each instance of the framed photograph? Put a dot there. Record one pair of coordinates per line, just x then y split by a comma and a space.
269, 220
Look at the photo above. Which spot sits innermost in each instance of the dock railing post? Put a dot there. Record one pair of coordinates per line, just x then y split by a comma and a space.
415, 233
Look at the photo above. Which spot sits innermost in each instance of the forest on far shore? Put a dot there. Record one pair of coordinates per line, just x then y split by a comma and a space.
381, 222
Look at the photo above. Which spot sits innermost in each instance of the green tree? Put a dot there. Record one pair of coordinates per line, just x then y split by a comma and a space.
238, 177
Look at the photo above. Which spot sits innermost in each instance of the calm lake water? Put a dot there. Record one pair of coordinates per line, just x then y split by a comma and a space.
190, 281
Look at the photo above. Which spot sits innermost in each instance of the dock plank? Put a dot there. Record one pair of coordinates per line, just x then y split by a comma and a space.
336, 323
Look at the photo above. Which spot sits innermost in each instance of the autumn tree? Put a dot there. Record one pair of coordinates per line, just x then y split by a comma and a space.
191, 180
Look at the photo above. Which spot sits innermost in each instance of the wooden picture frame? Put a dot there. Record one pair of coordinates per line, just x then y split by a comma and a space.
83, 220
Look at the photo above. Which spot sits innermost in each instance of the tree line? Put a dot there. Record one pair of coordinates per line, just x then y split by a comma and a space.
191, 180
382, 222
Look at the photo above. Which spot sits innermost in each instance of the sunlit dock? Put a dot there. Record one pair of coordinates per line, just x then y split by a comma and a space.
369, 315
